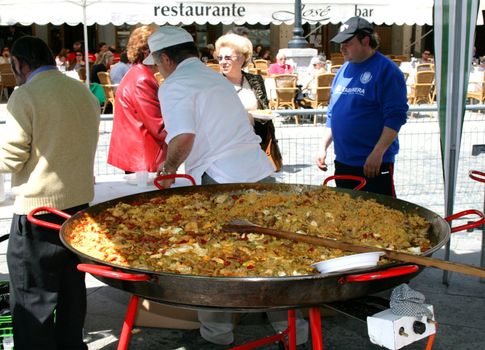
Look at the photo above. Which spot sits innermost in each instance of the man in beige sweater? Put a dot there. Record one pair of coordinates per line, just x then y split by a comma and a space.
49, 147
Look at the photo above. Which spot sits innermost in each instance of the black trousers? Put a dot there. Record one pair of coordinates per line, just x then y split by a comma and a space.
382, 183
44, 278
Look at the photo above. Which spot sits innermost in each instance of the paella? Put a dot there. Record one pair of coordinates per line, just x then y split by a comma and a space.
181, 233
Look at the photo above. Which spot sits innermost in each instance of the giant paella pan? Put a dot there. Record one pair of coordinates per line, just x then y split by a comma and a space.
236, 292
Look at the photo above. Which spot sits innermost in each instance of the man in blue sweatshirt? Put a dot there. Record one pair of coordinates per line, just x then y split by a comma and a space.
367, 108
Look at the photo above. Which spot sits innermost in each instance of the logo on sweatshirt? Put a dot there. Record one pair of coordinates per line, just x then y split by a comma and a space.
339, 89
365, 77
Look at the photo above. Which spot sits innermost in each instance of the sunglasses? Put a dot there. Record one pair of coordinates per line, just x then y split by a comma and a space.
227, 58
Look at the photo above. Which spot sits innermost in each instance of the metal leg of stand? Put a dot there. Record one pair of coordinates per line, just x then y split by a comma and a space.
292, 329
480, 177
124, 341
316, 328
447, 258
430, 342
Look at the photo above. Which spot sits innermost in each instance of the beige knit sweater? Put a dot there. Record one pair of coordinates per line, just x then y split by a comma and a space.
50, 142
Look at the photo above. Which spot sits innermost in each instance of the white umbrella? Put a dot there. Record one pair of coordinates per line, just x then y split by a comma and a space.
454, 29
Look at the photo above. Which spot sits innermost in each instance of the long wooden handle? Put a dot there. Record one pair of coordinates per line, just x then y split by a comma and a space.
331, 243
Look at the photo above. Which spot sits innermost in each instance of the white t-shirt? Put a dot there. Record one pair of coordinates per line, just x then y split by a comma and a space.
196, 100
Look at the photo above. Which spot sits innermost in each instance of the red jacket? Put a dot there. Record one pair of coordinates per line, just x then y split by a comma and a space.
138, 136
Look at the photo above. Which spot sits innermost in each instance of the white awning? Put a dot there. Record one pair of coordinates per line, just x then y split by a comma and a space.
211, 11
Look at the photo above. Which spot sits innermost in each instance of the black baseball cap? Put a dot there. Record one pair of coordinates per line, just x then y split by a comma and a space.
352, 27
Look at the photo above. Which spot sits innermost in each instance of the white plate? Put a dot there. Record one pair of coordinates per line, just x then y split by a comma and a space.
348, 262
259, 114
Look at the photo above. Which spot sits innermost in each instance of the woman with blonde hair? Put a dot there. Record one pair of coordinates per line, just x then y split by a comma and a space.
234, 52
138, 138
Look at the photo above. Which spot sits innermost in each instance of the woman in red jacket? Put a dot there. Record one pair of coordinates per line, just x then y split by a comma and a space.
138, 136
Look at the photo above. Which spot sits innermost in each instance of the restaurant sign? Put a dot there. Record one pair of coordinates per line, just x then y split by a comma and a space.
177, 12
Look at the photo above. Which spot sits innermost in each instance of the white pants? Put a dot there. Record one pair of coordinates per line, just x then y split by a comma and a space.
217, 327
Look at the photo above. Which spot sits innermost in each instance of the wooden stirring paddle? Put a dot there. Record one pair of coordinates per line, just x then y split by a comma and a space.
239, 225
